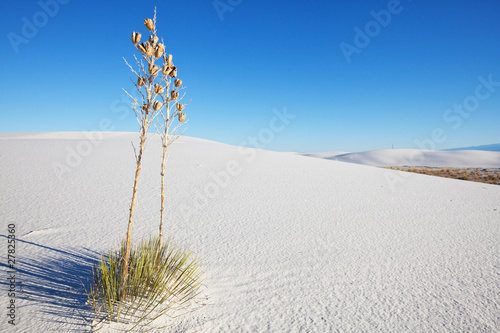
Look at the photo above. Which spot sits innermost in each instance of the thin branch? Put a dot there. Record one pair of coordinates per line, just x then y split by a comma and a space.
131, 68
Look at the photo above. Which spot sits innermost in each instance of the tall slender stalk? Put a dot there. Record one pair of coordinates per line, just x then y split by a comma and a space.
162, 207
149, 86
168, 134
142, 146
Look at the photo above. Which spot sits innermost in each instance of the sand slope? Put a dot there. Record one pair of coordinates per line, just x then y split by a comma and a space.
290, 243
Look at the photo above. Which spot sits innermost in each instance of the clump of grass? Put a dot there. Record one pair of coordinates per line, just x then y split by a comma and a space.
161, 277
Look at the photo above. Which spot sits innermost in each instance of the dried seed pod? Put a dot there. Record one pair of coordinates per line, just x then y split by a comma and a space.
153, 40
160, 48
174, 95
179, 106
136, 37
142, 47
173, 72
149, 24
158, 52
169, 59
145, 108
141, 81
158, 89
153, 69
166, 69
157, 105
181, 116
177, 83
149, 49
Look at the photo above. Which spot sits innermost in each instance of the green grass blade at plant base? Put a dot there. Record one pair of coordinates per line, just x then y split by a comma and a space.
161, 277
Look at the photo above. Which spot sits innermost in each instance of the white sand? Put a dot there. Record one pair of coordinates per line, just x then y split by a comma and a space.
415, 157
290, 243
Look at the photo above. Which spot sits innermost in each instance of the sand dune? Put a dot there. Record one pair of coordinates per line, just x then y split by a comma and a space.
290, 243
414, 157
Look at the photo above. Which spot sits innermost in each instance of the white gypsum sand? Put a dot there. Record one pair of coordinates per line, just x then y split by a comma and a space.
290, 243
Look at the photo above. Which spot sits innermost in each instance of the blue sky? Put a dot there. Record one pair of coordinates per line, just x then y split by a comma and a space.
356, 75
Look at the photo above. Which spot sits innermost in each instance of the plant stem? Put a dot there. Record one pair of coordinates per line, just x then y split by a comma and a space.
164, 143
162, 209
132, 207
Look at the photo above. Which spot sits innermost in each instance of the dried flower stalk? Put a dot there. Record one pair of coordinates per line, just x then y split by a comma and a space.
145, 112
165, 127
150, 85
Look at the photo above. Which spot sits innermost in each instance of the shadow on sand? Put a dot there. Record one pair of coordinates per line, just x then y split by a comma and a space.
56, 280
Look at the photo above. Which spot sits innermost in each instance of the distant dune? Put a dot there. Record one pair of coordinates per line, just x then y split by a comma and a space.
492, 147
415, 157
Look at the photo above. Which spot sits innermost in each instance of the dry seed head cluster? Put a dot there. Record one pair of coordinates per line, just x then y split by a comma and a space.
151, 47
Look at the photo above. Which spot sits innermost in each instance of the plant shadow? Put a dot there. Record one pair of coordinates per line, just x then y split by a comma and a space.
57, 280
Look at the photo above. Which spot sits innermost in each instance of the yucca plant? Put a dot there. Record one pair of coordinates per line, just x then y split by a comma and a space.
162, 277
140, 284
153, 85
